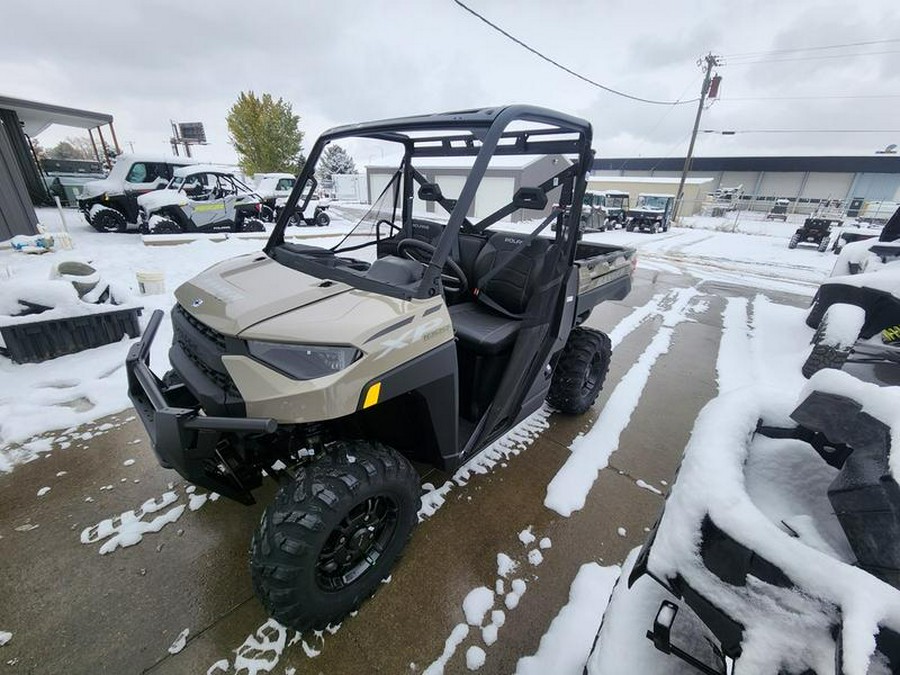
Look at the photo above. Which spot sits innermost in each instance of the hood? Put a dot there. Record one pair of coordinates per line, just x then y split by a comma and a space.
238, 293
647, 211
95, 188
152, 201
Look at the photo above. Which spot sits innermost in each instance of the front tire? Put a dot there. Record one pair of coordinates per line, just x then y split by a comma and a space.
109, 220
322, 219
333, 534
823, 245
794, 241
580, 371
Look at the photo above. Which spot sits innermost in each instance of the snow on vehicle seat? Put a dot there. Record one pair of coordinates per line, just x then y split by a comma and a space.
716, 481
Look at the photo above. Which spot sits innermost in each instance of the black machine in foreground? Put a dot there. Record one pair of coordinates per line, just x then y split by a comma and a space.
411, 339
778, 531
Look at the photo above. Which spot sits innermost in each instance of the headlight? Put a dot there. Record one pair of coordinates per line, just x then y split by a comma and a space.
303, 362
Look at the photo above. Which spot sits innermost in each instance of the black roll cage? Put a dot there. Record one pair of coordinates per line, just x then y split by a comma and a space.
483, 135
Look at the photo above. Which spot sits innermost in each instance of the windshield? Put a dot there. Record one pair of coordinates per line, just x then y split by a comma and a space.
614, 201
416, 215
652, 202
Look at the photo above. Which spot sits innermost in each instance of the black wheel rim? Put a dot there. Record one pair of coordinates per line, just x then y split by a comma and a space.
355, 545
592, 377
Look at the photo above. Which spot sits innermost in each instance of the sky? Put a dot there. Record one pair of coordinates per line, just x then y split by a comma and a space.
344, 61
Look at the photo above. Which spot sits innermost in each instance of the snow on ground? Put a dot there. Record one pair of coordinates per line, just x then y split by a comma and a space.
591, 451
565, 646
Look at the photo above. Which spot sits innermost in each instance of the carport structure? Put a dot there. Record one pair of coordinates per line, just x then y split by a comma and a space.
21, 185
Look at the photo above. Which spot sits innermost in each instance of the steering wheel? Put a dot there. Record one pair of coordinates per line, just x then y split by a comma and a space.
453, 278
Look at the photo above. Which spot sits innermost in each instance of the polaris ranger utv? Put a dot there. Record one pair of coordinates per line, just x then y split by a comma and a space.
201, 198
330, 370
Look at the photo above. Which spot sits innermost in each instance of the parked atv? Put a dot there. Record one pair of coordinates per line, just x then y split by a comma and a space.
110, 204
777, 549
779, 210
815, 231
201, 198
331, 372
651, 213
272, 187
315, 213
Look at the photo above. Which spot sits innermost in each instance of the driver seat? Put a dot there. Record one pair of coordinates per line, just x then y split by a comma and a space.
486, 331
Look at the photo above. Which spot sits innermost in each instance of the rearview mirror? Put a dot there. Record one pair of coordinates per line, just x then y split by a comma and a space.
430, 192
530, 198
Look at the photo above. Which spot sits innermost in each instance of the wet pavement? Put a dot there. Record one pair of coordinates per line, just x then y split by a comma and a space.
73, 610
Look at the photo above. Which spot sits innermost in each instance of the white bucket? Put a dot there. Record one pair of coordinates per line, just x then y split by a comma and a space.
151, 283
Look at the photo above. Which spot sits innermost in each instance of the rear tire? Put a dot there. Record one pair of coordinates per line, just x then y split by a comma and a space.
322, 219
109, 220
824, 356
794, 241
252, 225
838, 330
298, 561
580, 371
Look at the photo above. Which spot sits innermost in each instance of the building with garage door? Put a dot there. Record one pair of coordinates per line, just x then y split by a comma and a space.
504, 176
804, 181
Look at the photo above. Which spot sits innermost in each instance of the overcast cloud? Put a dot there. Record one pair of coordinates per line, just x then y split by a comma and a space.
342, 61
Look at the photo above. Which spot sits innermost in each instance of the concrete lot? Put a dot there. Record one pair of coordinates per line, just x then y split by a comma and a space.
72, 610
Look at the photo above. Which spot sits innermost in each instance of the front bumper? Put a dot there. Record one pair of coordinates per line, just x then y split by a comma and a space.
184, 439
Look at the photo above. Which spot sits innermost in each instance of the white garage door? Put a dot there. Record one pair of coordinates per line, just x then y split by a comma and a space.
377, 183
493, 193
827, 185
780, 184
451, 186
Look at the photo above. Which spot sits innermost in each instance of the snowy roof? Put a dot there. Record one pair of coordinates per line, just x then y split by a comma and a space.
127, 158
36, 116
207, 168
658, 180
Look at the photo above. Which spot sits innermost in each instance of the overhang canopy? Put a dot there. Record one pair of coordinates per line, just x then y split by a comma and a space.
36, 116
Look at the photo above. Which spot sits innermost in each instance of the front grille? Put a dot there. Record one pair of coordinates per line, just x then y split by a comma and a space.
203, 346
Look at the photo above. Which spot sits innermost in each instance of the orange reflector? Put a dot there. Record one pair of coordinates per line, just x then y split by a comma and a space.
372, 395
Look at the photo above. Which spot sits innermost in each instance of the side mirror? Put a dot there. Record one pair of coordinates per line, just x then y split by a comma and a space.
430, 192
530, 198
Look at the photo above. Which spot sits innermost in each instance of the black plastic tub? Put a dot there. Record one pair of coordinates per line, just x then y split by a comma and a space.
42, 340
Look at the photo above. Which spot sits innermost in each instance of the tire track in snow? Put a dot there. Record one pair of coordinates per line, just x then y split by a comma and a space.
568, 490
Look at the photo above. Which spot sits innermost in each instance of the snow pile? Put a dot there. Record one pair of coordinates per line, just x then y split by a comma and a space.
180, 642
5, 637
477, 603
475, 657
841, 325
565, 646
784, 627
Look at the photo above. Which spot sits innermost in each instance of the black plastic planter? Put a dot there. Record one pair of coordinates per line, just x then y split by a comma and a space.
42, 340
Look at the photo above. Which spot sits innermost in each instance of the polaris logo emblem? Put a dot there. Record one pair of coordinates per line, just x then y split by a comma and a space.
512, 240
196, 302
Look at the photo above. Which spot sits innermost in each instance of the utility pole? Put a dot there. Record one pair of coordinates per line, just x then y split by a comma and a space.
709, 61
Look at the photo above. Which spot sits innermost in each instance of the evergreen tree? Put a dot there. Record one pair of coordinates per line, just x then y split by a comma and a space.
265, 133
334, 160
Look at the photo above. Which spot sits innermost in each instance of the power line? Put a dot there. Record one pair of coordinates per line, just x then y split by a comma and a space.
809, 58
811, 49
729, 99
564, 68
732, 132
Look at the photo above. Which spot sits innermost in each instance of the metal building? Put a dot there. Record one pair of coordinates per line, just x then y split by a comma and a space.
804, 181
21, 185
503, 177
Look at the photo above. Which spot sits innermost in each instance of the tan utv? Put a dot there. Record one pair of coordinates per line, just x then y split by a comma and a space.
413, 339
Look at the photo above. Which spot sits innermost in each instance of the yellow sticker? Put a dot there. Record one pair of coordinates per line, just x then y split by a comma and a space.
372, 395
200, 208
